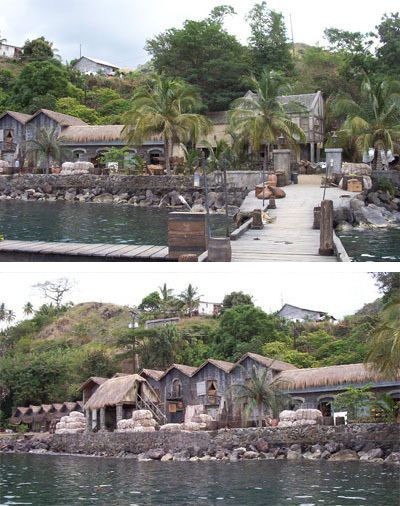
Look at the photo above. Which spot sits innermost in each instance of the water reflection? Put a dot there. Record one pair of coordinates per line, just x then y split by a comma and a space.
64, 480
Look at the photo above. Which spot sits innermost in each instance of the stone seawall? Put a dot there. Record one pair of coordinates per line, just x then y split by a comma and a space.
369, 442
133, 190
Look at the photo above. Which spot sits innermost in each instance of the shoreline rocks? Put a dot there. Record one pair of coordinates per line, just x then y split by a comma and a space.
141, 191
368, 444
370, 209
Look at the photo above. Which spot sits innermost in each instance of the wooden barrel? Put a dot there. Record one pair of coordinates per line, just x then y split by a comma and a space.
219, 249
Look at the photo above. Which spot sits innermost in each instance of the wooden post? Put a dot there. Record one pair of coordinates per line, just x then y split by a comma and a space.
102, 419
94, 419
326, 234
219, 249
272, 203
119, 412
317, 218
188, 258
257, 220
88, 415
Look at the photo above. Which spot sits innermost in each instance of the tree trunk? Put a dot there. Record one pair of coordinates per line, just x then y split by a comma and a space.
166, 154
48, 165
260, 414
378, 163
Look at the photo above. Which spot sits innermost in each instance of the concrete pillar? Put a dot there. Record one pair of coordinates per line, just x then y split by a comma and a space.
102, 419
334, 155
119, 412
318, 153
94, 419
282, 161
88, 416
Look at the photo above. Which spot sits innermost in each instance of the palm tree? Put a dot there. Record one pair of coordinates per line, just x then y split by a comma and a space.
46, 146
28, 309
164, 108
261, 393
384, 342
3, 312
375, 119
260, 118
166, 293
10, 316
217, 154
191, 298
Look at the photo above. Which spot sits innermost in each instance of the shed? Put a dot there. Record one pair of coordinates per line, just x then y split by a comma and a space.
117, 397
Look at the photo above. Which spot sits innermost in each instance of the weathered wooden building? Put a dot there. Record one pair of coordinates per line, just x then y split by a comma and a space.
13, 136
89, 387
306, 110
211, 380
177, 391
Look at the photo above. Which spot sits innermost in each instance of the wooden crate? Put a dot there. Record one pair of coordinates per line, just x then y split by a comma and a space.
187, 234
354, 185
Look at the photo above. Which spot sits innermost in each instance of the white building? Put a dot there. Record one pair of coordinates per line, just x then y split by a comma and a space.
8, 51
209, 308
88, 66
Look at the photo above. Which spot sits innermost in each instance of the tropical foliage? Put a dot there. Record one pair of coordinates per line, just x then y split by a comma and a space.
373, 121
165, 107
260, 118
259, 393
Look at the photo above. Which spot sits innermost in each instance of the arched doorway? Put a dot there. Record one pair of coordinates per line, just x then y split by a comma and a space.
155, 155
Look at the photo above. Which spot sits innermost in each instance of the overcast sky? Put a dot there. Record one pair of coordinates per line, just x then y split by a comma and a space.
116, 30
338, 290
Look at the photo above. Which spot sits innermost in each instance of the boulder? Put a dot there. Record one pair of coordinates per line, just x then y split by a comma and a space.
371, 216
250, 455
262, 445
156, 454
167, 457
344, 456
104, 198
293, 455
376, 453
393, 458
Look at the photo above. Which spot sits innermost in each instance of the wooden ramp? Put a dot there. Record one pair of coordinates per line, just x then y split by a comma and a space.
56, 251
291, 237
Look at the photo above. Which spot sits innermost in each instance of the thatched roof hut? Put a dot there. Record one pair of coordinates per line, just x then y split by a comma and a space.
332, 376
82, 134
122, 390
21, 415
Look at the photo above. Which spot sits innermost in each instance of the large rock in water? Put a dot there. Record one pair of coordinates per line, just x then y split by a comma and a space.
105, 198
344, 456
371, 215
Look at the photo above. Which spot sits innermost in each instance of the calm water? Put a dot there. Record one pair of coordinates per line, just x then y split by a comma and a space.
61, 480
366, 245
87, 223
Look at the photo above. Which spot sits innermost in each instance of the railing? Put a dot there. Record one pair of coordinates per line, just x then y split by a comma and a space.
151, 406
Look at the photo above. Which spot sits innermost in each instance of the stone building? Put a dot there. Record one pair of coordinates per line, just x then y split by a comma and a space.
87, 143
317, 387
88, 66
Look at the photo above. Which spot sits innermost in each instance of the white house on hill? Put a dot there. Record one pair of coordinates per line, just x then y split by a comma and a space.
87, 65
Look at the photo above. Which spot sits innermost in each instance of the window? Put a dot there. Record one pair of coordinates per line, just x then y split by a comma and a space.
176, 392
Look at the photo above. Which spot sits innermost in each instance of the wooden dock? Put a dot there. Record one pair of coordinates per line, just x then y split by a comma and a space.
23, 251
291, 237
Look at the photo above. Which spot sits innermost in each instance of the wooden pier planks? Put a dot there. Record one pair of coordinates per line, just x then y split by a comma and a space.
291, 237
123, 252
